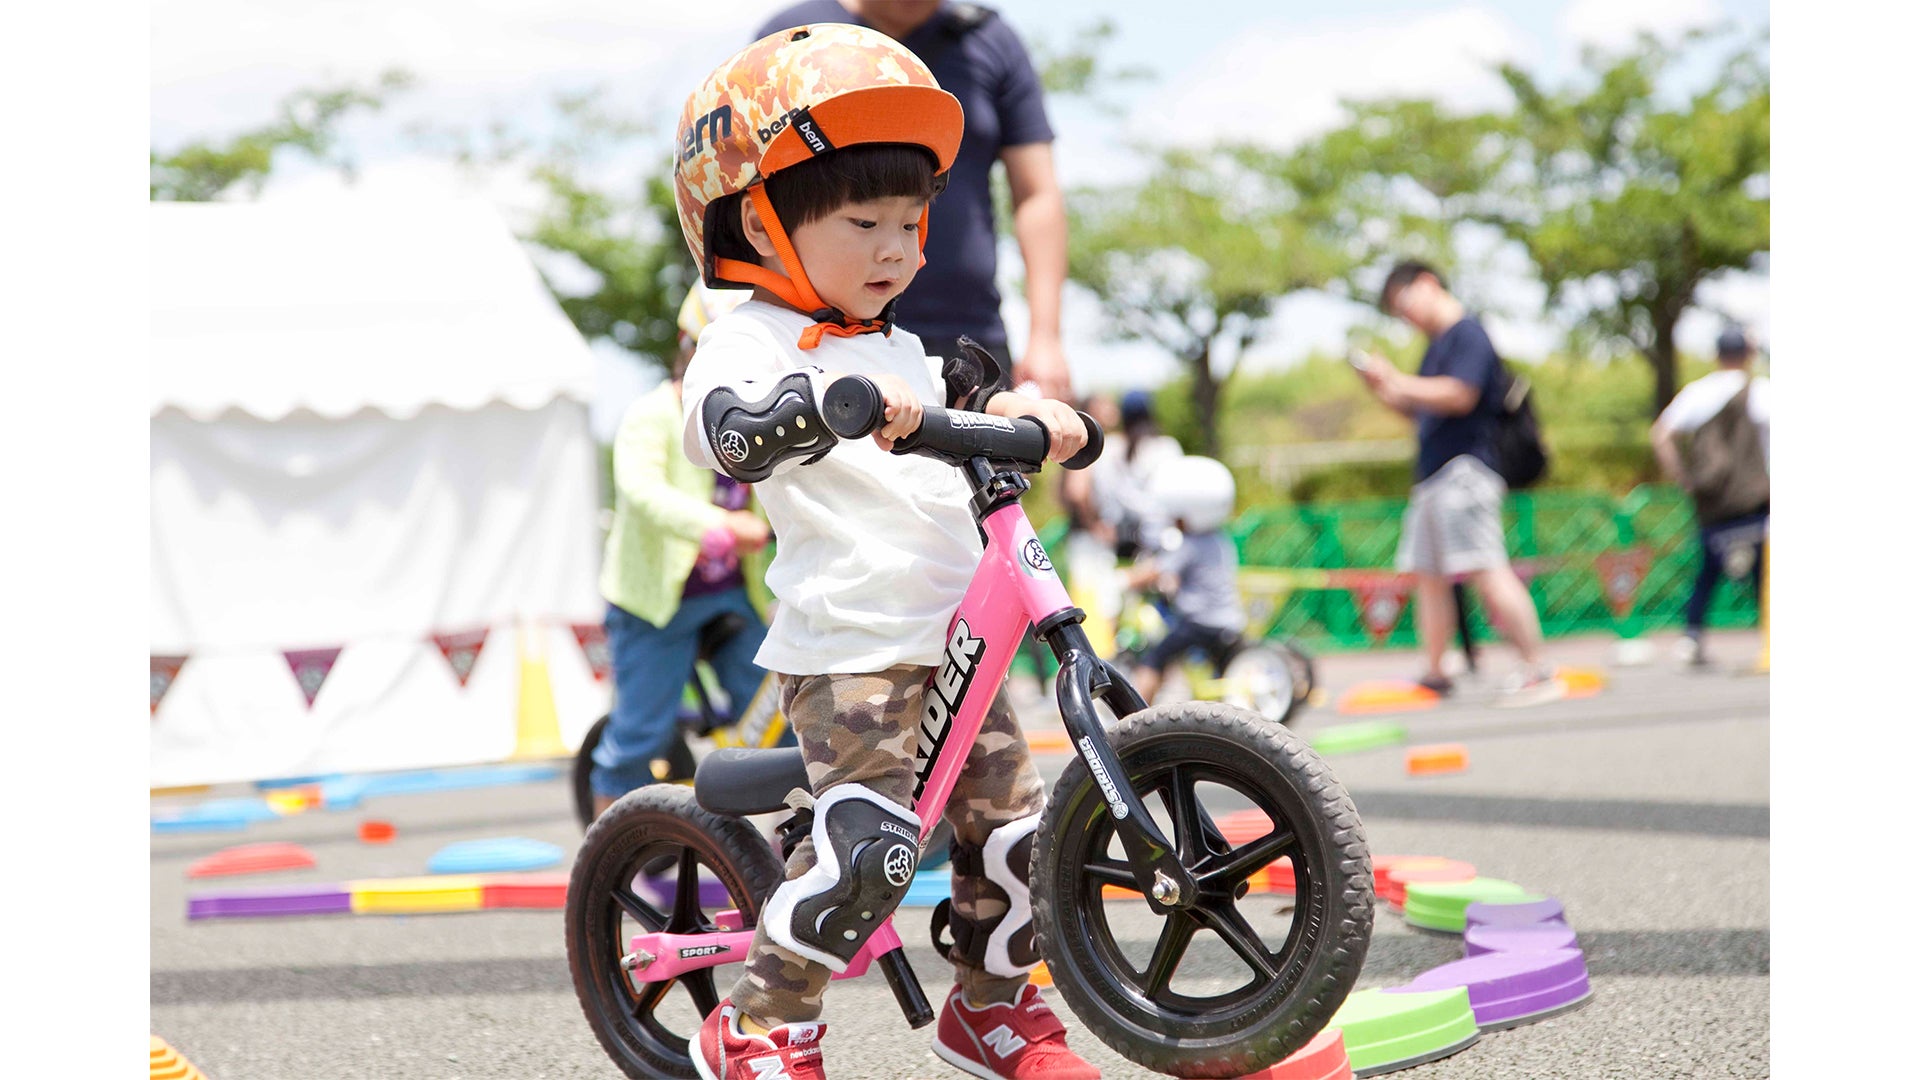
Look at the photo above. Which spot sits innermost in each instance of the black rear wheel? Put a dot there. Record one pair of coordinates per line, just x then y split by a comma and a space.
1241, 979
679, 766
712, 863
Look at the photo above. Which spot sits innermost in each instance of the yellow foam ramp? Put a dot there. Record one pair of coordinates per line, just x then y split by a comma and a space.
401, 896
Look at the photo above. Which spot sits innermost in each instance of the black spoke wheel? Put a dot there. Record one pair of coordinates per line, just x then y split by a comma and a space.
583, 772
695, 855
679, 759
1239, 980
1301, 662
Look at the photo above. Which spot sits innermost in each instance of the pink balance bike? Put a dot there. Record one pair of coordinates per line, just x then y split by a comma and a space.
1144, 860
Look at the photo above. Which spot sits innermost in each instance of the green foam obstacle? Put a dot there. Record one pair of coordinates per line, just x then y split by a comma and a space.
1442, 905
1352, 738
1388, 1031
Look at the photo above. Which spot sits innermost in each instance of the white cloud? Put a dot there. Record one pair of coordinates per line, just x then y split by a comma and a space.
1281, 81
1613, 24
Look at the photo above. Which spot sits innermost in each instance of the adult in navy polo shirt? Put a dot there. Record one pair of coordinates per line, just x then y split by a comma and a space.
976, 57
1452, 527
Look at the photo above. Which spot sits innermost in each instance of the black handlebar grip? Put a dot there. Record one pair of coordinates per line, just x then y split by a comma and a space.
1090, 453
852, 407
957, 433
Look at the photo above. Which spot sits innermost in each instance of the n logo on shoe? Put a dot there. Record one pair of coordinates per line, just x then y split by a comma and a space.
1003, 1040
768, 1068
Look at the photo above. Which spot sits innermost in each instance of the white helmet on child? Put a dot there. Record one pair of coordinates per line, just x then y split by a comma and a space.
1197, 490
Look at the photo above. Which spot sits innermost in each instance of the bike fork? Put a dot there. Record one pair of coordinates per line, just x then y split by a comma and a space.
1083, 676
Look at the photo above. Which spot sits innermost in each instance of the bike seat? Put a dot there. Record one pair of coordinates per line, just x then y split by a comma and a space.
749, 781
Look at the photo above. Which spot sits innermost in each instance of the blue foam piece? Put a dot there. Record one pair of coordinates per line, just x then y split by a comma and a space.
343, 793
928, 888
215, 815
293, 781
486, 856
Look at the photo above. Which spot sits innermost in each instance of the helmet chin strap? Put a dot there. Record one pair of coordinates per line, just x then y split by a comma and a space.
794, 287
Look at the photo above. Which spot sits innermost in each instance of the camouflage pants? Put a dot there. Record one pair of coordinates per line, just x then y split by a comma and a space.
864, 729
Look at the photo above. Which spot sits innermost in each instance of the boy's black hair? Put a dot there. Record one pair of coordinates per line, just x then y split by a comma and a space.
817, 187
1402, 275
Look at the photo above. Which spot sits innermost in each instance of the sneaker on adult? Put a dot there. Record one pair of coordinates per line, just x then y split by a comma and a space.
1535, 686
724, 1052
1439, 684
1021, 1041
1689, 652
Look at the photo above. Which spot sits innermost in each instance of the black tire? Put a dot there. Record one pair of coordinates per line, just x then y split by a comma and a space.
583, 773
1302, 663
604, 911
1141, 1012
680, 766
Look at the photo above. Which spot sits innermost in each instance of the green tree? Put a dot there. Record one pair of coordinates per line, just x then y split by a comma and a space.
308, 121
1626, 205
606, 208
1194, 258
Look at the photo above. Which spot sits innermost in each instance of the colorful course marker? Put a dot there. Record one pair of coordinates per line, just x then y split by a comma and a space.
1323, 1058
1385, 696
304, 899
1442, 905
1355, 737
252, 859
1548, 910
1384, 1032
494, 855
415, 896
1436, 760
1540, 937
1510, 989
524, 891
1406, 873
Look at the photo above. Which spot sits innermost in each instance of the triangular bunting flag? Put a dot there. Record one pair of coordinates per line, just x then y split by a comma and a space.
311, 668
593, 642
462, 651
1381, 600
1621, 573
165, 669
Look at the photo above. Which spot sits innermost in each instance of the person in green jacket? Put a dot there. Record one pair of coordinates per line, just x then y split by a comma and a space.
672, 566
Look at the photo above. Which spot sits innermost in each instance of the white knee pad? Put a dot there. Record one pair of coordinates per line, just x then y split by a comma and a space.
1003, 945
866, 848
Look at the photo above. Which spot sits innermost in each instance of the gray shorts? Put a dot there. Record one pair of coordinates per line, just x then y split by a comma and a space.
1452, 524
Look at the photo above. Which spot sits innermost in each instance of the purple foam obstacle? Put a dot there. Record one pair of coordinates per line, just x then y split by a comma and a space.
1513, 988
1540, 937
303, 899
660, 890
1482, 913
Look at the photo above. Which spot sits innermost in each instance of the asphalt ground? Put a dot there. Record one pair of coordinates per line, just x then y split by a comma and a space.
1644, 809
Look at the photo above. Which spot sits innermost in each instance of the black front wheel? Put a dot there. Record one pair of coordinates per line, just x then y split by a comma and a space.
656, 862
1240, 979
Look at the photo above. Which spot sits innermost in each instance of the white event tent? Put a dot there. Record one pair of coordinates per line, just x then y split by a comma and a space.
374, 494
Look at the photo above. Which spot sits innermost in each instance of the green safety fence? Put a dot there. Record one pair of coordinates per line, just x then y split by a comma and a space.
1314, 564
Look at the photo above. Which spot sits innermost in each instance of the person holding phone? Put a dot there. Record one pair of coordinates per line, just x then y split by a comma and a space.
1452, 523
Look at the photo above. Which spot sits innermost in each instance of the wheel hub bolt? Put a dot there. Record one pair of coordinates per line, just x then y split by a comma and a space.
1164, 888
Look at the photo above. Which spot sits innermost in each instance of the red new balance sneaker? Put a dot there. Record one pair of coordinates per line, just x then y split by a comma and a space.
1021, 1041
788, 1052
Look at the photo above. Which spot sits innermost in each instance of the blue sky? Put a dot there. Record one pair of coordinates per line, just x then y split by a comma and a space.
1240, 68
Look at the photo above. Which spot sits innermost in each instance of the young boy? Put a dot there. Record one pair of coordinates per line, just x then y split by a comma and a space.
1196, 494
807, 162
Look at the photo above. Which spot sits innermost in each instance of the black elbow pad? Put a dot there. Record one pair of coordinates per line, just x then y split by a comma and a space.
749, 438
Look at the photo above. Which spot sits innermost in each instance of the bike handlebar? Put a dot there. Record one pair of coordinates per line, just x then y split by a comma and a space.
853, 408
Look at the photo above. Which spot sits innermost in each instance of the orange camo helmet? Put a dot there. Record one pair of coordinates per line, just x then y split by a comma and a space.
780, 101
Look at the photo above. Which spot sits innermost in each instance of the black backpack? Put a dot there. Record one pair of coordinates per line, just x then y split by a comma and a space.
1517, 447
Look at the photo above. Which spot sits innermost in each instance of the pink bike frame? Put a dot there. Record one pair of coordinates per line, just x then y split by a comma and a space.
1015, 586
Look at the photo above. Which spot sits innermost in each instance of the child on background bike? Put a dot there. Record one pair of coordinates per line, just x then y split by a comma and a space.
1196, 494
672, 565
807, 162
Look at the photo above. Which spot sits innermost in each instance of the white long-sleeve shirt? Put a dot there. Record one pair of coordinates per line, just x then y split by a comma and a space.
874, 550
